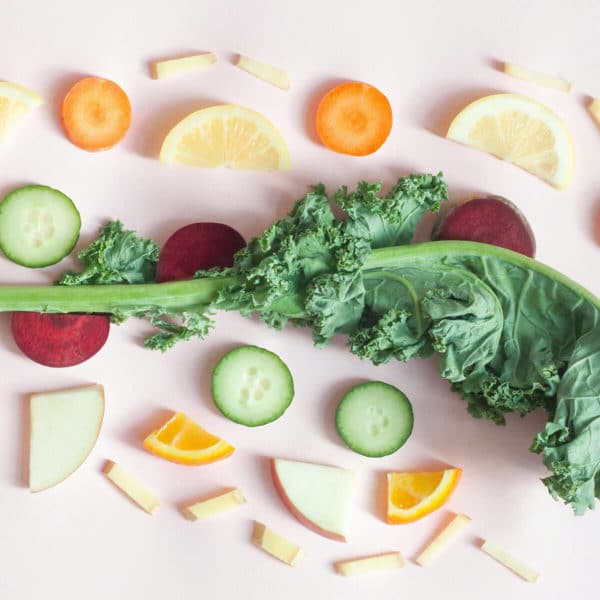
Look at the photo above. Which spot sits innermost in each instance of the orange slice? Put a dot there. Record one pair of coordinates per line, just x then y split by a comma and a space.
414, 495
183, 441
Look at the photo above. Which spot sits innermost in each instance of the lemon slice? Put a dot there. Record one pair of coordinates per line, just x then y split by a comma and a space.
15, 102
521, 131
226, 136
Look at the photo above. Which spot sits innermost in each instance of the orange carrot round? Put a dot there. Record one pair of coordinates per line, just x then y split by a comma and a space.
96, 114
354, 118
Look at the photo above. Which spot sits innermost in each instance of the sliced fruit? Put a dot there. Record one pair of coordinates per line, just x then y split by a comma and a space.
59, 340
15, 103
132, 488
197, 246
516, 565
176, 66
354, 118
96, 114
443, 539
38, 226
214, 505
521, 131
319, 496
492, 220
548, 81
183, 441
252, 386
411, 496
226, 136
368, 564
594, 108
64, 428
276, 545
374, 419
268, 73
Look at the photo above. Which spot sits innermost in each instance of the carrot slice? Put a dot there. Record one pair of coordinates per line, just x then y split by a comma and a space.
96, 114
354, 118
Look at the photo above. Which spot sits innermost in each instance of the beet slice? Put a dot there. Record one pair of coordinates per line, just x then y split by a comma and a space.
59, 340
197, 246
493, 220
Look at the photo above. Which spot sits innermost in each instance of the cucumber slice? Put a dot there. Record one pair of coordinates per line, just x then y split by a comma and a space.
374, 419
38, 226
252, 386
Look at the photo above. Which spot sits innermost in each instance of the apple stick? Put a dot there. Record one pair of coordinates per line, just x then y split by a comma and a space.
176, 66
367, 564
594, 108
132, 488
276, 545
268, 73
510, 562
215, 505
441, 541
542, 79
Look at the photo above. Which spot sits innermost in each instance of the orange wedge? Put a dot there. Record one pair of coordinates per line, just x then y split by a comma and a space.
414, 495
183, 441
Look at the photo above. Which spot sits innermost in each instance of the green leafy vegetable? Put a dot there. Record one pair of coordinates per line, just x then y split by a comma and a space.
512, 335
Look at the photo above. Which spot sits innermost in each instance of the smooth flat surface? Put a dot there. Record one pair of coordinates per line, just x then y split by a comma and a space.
83, 538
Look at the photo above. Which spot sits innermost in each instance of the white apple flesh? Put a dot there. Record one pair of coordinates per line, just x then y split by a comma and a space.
64, 428
319, 496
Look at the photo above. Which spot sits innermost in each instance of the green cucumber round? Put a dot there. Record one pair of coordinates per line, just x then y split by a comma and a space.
374, 419
38, 226
252, 386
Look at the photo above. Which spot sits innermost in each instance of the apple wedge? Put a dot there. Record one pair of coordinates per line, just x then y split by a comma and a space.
64, 428
319, 496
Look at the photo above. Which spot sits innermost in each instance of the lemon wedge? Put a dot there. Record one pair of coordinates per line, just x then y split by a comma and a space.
519, 130
15, 102
226, 136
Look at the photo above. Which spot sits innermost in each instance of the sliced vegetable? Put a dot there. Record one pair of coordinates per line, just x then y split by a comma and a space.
374, 419
137, 492
491, 220
516, 565
15, 103
226, 136
64, 427
519, 130
411, 496
354, 118
268, 73
38, 226
183, 441
197, 246
276, 545
59, 340
96, 114
176, 66
252, 386
368, 564
214, 505
548, 81
443, 539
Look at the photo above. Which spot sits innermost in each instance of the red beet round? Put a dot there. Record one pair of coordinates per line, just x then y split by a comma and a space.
59, 340
492, 220
197, 246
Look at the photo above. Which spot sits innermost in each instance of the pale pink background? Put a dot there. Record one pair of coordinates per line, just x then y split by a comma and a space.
82, 539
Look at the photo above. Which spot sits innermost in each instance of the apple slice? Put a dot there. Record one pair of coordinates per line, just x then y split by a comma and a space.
319, 496
64, 428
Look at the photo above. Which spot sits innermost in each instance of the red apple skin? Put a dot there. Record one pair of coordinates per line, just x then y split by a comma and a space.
288, 503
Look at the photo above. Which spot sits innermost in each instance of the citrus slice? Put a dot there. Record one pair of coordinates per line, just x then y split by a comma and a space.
183, 441
414, 495
226, 136
521, 131
15, 102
